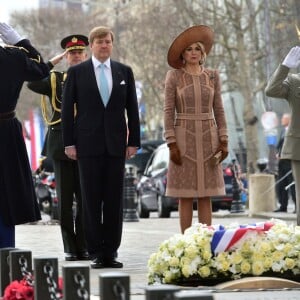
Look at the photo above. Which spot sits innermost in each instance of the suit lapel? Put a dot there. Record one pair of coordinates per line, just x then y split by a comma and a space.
91, 73
116, 79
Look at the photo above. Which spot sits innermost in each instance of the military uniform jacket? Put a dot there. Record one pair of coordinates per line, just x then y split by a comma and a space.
18, 203
287, 86
52, 88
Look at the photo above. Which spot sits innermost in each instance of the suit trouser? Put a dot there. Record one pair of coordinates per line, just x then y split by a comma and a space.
102, 190
284, 167
296, 173
68, 189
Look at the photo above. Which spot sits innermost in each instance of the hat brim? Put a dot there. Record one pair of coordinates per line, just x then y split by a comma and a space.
194, 34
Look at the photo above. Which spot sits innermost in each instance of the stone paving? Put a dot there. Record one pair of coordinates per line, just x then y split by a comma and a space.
140, 239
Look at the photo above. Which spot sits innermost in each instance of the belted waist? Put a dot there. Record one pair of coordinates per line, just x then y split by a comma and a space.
196, 117
7, 115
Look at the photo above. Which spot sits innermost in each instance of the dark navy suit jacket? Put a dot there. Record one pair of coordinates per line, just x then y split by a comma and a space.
97, 128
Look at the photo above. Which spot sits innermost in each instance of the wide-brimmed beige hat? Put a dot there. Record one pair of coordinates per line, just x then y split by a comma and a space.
198, 33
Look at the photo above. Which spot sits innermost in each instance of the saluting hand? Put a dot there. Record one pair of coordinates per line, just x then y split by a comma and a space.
9, 35
57, 58
292, 60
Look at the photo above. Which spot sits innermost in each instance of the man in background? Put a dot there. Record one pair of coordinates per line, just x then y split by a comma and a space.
285, 176
65, 169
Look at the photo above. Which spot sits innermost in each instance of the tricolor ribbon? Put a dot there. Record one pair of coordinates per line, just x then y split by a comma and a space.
224, 239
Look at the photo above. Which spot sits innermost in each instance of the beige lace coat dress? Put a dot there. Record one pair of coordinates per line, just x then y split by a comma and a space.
194, 118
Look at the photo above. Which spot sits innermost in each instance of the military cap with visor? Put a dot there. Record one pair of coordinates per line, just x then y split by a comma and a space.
74, 42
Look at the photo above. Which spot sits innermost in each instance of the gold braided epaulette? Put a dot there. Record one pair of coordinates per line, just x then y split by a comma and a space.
45, 112
37, 59
54, 101
16, 47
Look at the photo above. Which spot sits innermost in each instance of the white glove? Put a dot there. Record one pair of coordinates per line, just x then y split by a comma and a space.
8, 34
292, 60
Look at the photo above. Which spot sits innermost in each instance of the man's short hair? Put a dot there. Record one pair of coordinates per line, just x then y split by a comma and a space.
100, 32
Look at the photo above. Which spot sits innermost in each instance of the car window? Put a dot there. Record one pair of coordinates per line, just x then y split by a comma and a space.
143, 154
161, 159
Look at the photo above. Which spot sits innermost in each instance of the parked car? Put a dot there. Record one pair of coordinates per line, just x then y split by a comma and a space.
139, 161
151, 187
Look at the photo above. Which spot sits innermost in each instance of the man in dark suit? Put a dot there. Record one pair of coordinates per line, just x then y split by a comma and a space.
285, 175
65, 169
96, 96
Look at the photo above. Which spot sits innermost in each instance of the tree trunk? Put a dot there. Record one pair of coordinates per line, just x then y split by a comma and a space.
250, 117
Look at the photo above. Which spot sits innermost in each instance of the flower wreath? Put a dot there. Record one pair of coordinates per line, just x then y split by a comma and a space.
228, 252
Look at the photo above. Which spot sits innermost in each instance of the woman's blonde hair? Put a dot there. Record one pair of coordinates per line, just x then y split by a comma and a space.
203, 59
100, 32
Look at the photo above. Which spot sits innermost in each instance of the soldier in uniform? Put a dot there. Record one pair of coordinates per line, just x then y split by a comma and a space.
18, 205
284, 84
65, 169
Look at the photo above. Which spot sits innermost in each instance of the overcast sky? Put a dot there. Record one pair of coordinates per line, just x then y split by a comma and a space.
7, 6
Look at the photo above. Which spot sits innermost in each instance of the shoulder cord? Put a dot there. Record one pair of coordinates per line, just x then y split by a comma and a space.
54, 107
54, 98
22, 49
37, 59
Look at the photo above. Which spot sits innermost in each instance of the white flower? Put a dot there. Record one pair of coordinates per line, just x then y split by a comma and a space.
190, 254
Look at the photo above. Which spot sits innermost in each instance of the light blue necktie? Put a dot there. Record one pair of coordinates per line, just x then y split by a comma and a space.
103, 85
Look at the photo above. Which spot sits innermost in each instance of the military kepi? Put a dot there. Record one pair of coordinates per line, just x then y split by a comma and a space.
74, 42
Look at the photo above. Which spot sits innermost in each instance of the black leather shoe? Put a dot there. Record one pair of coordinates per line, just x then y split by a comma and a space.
83, 256
70, 256
99, 263
280, 210
113, 264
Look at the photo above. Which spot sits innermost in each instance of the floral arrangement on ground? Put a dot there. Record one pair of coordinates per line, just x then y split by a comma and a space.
24, 289
208, 255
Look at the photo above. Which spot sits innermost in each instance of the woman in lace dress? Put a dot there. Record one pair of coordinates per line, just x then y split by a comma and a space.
195, 126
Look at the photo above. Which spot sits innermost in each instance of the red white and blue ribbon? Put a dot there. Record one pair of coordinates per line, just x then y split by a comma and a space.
224, 239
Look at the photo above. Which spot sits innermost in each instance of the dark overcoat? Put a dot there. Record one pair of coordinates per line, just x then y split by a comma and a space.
18, 203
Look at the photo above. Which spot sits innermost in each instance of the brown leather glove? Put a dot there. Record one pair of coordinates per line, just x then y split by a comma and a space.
223, 147
175, 154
